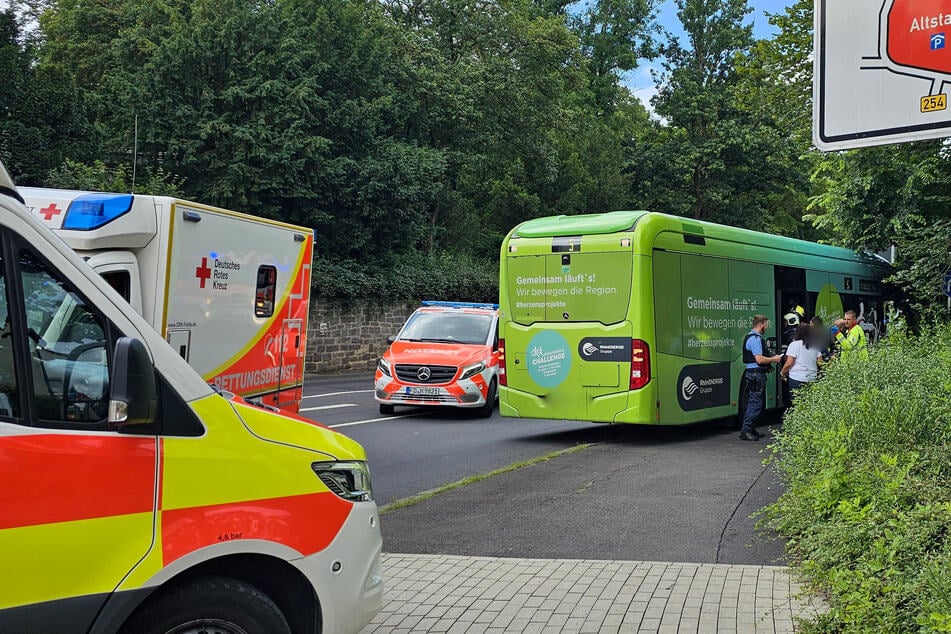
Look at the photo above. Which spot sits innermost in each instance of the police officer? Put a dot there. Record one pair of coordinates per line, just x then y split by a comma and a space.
757, 364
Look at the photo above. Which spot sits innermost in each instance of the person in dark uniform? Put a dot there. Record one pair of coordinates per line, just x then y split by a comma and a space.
756, 363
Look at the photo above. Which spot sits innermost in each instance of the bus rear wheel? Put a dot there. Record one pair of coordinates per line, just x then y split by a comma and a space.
213, 605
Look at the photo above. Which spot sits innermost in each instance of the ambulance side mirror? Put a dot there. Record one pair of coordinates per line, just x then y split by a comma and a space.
134, 393
391, 339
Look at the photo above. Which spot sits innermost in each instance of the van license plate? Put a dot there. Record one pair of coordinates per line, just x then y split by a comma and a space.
423, 391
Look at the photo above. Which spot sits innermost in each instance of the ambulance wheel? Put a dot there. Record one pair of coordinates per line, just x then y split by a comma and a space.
486, 410
385, 409
214, 605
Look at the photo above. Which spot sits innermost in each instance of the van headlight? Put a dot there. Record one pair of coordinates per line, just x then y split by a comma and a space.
384, 367
349, 480
472, 370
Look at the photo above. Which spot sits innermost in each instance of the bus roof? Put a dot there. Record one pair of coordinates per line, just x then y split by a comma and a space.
650, 224
586, 224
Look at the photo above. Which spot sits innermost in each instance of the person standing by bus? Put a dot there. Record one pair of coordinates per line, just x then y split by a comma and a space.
854, 341
757, 364
802, 360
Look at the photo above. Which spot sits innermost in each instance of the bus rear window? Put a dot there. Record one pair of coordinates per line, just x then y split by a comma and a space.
570, 287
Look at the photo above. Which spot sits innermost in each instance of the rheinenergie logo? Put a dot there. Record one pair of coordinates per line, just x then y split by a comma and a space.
688, 388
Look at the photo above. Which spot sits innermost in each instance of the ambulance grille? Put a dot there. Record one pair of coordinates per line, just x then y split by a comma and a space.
409, 399
409, 373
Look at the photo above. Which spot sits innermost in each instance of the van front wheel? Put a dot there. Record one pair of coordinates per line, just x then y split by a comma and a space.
386, 410
215, 604
490, 397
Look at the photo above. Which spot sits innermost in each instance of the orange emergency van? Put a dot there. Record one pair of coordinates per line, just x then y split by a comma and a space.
229, 291
446, 354
135, 497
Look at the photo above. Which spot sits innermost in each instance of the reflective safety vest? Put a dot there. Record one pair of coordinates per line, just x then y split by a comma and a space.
854, 342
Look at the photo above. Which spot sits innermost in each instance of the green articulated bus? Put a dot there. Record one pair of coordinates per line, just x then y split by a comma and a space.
639, 317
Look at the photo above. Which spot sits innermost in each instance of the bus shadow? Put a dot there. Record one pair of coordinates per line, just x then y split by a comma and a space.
649, 435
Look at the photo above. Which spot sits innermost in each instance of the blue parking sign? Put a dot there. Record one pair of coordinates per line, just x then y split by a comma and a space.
947, 283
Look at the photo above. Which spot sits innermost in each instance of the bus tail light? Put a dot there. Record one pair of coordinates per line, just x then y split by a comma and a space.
640, 364
502, 378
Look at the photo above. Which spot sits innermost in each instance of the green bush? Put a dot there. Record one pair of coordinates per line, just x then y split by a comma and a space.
439, 276
867, 508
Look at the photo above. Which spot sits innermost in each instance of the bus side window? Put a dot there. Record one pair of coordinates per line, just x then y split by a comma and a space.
264, 293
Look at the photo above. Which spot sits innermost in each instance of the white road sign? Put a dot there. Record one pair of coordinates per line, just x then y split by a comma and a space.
882, 72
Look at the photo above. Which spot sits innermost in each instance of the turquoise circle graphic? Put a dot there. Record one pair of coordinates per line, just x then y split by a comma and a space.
549, 359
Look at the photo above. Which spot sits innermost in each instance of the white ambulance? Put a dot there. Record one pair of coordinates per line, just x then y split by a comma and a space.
229, 291
137, 499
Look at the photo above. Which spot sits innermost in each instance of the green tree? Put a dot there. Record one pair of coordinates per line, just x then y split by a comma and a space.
892, 195
42, 118
775, 79
714, 156
615, 36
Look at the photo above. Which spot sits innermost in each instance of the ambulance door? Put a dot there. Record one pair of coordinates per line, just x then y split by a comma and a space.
292, 362
77, 499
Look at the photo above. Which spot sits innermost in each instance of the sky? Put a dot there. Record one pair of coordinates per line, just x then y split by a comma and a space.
640, 81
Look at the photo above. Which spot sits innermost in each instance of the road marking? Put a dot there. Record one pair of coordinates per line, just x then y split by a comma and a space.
336, 393
372, 420
311, 409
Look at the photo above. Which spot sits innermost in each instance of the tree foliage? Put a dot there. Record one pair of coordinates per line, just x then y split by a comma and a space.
716, 154
407, 129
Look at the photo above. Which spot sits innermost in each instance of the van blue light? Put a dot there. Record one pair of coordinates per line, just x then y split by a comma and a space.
91, 211
461, 304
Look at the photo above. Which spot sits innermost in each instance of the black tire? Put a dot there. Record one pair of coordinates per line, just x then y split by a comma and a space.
213, 605
486, 410
385, 409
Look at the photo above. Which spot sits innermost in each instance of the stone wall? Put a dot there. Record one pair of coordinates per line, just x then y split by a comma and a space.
351, 337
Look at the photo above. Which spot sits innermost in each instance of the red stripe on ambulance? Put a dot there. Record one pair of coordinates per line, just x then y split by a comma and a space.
275, 520
51, 478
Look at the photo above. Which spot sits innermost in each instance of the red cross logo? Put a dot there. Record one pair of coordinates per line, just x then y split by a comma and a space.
203, 272
49, 212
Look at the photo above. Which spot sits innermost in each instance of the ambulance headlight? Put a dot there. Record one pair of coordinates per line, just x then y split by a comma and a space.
384, 367
349, 480
472, 370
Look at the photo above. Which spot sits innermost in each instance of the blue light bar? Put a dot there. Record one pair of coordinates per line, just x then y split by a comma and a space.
91, 211
462, 305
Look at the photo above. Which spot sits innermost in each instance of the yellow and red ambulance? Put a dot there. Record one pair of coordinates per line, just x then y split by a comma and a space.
229, 291
137, 498
446, 354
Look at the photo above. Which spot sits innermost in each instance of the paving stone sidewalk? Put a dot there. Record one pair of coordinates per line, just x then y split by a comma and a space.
446, 593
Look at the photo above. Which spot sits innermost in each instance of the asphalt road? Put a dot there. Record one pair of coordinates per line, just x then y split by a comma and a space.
636, 493
420, 449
